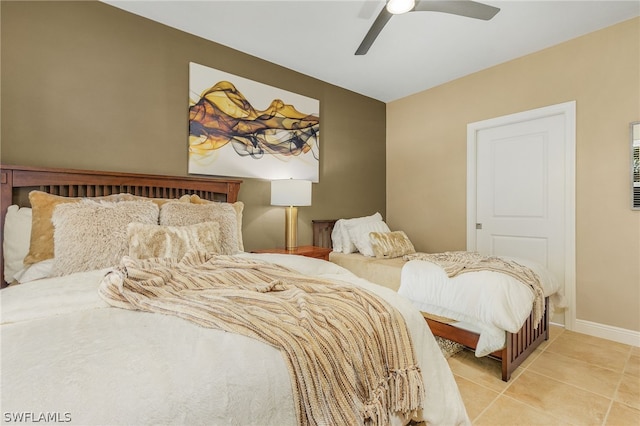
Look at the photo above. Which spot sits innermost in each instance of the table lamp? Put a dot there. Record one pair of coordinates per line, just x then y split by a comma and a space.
291, 193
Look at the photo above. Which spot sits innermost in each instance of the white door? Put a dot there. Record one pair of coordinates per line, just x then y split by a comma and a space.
521, 190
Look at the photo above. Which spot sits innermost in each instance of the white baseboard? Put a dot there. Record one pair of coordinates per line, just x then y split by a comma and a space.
620, 335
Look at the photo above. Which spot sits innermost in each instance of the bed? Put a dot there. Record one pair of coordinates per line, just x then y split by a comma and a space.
81, 347
423, 282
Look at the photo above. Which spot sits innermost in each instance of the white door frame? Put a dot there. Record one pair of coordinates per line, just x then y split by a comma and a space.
568, 111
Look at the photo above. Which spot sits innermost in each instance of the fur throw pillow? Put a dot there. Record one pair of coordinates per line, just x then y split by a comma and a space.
391, 244
182, 214
238, 206
43, 204
151, 241
92, 235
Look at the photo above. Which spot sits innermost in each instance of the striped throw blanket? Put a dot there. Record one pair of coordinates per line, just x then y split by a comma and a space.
458, 262
349, 353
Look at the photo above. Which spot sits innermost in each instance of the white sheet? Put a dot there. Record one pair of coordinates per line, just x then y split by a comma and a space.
489, 302
65, 352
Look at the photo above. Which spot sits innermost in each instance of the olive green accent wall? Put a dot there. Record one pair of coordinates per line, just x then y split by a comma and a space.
426, 158
88, 86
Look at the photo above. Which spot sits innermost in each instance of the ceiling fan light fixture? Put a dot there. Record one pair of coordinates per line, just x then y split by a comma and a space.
397, 7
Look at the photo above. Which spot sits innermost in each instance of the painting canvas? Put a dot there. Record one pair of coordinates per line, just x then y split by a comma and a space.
242, 128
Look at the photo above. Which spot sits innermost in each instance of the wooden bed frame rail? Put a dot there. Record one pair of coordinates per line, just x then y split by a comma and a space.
518, 345
91, 183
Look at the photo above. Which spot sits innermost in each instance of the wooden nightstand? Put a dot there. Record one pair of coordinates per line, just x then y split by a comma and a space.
309, 251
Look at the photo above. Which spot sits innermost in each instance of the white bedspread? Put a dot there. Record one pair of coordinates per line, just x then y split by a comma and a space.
486, 302
68, 354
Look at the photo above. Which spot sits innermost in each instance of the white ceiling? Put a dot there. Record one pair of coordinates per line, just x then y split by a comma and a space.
414, 52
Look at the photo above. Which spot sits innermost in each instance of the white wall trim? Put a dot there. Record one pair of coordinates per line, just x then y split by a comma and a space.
568, 111
620, 335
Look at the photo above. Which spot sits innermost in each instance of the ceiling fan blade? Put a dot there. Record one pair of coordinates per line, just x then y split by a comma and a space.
468, 8
375, 29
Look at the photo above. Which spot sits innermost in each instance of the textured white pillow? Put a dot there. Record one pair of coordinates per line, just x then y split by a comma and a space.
360, 235
336, 235
182, 214
149, 241
348, 245
35, 271
92, 235
17, 237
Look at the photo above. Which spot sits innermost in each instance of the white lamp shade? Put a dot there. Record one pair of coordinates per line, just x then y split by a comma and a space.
291, 192
400, 6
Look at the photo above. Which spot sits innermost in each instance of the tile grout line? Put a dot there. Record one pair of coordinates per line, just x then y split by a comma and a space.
611, 399
501, 393
615, 392
524, 369
511, 382
542, 373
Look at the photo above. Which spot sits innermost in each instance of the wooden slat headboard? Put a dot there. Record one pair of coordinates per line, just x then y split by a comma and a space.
90, 183
322, 232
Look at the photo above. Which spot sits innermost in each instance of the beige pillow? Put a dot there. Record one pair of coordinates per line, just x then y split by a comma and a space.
181, 214
147, 241
93, 234
390, 244
43, 204
238, 206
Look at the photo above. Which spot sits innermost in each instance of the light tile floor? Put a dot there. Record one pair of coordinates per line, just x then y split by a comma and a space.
571, 379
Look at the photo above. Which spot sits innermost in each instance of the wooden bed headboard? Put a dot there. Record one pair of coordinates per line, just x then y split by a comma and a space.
322, 232
90, 183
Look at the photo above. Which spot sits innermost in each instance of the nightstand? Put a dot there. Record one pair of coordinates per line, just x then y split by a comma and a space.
309, 251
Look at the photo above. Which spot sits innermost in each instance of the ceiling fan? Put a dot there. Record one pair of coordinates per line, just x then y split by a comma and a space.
468, 8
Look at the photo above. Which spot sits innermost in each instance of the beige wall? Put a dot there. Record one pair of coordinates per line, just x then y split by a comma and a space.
86, 85
426, 158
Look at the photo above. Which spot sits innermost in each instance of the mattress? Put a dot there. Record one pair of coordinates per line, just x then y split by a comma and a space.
486, 303
66, 351
384, 272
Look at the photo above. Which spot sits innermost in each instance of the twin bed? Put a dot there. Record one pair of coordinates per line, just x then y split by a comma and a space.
488, 312
136, 341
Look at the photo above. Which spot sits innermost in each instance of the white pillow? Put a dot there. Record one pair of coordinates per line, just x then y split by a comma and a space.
17, 237
336, 235
35, 271
347, 244
360, 235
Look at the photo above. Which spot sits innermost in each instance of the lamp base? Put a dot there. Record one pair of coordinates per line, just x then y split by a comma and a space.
291, 228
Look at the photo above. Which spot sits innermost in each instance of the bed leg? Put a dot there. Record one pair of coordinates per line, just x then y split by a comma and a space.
506, 356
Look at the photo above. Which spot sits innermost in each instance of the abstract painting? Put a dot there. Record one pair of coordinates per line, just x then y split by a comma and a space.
242, 128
